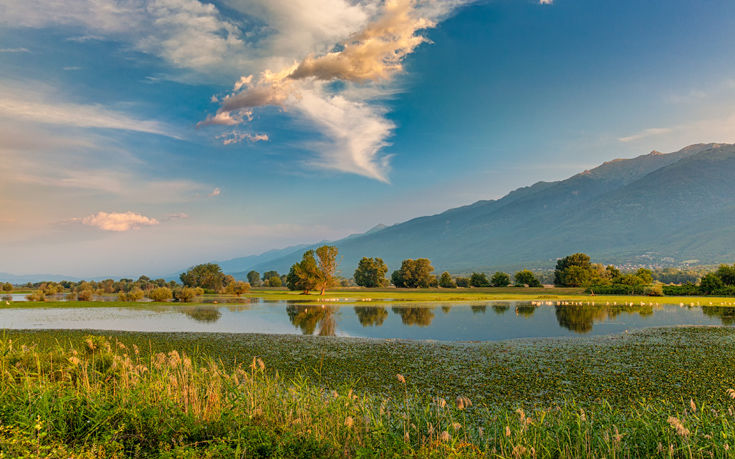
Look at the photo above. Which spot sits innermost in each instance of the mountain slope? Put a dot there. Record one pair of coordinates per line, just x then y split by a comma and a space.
660, 203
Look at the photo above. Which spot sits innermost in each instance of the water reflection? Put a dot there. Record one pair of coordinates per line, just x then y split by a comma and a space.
371, 316
726, 315
307, 318
204, 314
403, 321
421, 316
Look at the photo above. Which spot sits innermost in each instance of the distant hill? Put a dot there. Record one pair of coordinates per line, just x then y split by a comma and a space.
674, 207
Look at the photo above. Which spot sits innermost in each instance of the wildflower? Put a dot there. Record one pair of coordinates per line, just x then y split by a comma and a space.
335, 394
444, 436
463, 402
507, 431
618, 437
693, 406
731, 393
74, 361
261, 364
440, 402
582, 415
727, 447
430, 429
678, 426
348, 422
406, 437
456, 425
401, 379
135, 348
481, 431
519, 450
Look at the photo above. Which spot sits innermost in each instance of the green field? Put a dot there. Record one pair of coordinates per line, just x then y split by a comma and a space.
656, 393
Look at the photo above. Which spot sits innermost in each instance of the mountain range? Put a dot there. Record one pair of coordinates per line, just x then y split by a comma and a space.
670, 208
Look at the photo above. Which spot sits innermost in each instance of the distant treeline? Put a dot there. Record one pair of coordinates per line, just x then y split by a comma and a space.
318, 271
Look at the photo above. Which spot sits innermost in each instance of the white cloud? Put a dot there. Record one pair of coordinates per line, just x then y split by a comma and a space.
14, 50
215, 192
545, 2
36, 103
118, 221
645, 133
353, 125
187, 33
237, 137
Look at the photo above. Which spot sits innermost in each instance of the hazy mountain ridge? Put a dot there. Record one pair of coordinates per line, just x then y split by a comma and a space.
618, 210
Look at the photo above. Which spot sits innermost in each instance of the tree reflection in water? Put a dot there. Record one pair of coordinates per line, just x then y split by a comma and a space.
726, 315
204, 314
580, 319
446, 309
371, 316
414, 315
478, 309
525, 310
500, 308
308, 317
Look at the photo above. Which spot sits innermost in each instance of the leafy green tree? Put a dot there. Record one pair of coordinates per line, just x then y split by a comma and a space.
726, 274
479, 280
710, 283
573, 270
274, 281
371, 272
254, 278
237, 288
414, 274
208, 276
303, 275
462, 282
446, 281
327, 267
500, 279
645, 275
160, 294
526, 277
7, 287
268, 274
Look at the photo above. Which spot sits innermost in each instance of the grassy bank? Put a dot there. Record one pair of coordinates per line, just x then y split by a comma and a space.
658, 393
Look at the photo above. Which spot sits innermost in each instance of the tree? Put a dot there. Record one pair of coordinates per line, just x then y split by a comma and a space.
710, 283
479, 280
526, 277
303, 275
371, 272
500, 279
462, 281
446, 281
208, 276
274, 281
645, 275
7, 287
160, 294
185, 294
254, 278
268, 274
135, 294
726, 274
237, 288
85, 295
327, 267
414, 274
582, 265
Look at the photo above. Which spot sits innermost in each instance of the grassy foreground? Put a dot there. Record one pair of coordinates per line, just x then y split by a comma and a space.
657, 393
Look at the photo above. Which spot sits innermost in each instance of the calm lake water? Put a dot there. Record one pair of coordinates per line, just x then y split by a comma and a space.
443, 322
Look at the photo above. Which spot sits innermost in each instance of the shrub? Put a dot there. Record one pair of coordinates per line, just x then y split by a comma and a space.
135, 294
85, 295
38, 295
160, 294
479, 280
500, 279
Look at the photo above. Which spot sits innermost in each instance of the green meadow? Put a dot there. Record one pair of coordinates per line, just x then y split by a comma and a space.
658, 393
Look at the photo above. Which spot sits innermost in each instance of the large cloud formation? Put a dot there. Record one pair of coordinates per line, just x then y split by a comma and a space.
350, 120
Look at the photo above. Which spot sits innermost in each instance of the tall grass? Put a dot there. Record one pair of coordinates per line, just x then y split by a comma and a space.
105, 399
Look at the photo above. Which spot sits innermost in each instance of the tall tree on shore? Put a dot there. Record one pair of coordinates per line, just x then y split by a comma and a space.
327, 267
371, 272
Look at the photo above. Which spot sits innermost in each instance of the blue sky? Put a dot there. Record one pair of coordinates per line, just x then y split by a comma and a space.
145, 136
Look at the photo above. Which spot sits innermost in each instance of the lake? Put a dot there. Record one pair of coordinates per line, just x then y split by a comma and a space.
442, 322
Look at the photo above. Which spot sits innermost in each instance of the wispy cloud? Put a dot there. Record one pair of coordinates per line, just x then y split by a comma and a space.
354, 128
545, 2
237, 137
39, 105
215, 192
14, 50
644, 134
118, 221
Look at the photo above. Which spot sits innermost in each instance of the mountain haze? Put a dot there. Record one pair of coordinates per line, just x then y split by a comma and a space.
675, 207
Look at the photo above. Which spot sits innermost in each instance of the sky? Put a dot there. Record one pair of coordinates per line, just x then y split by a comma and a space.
142, 137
